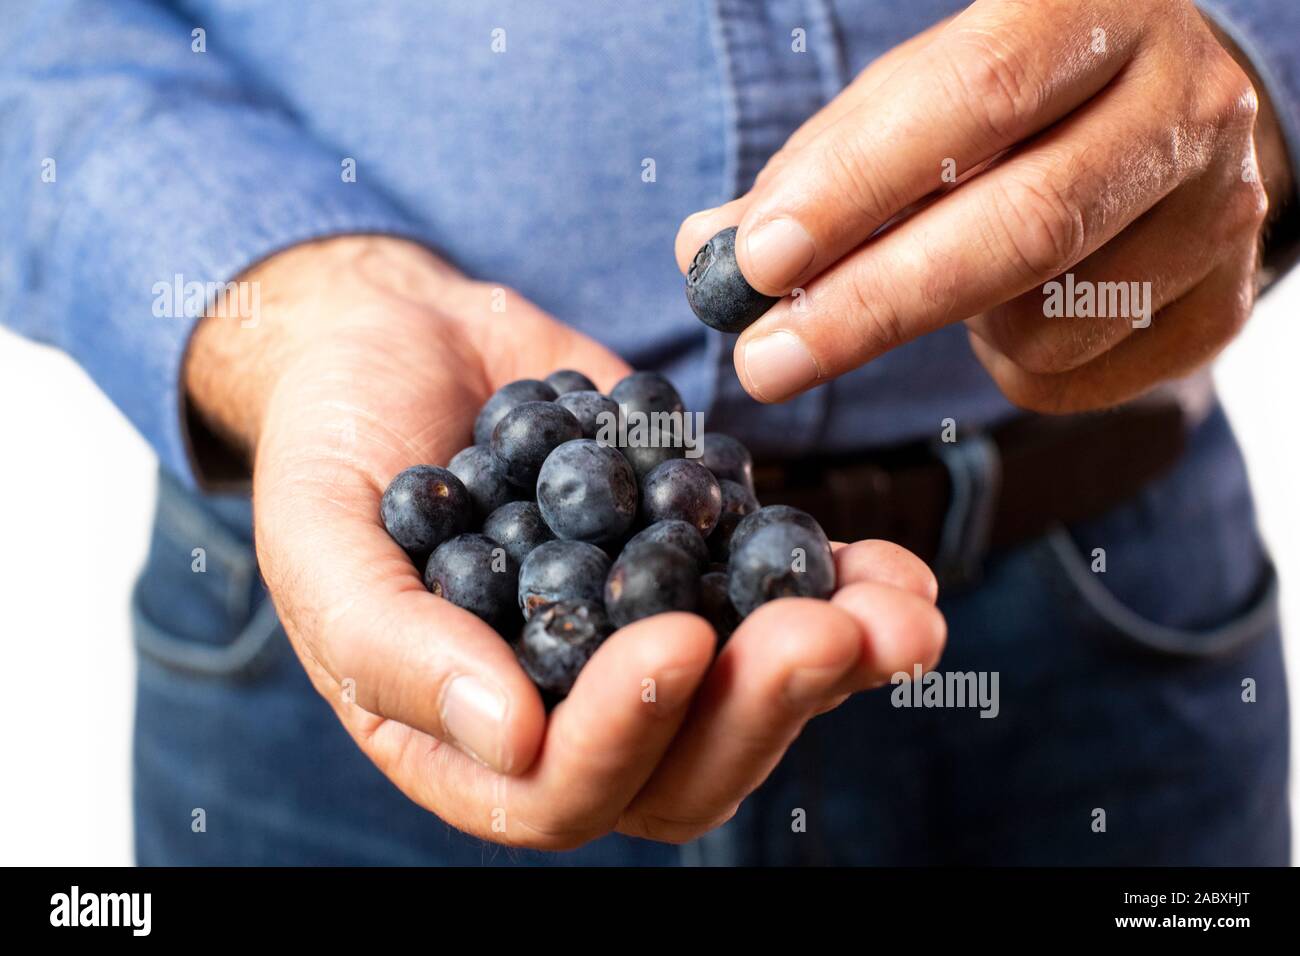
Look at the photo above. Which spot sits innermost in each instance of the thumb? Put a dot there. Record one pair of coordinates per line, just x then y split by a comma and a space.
374, 641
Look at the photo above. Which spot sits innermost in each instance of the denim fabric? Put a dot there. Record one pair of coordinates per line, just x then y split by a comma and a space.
1119, 691
522, 167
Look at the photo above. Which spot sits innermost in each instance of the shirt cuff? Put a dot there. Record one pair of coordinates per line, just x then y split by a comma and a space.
189, 200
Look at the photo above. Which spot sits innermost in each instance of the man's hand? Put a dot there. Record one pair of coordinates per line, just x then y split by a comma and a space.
1113, 140
370, 356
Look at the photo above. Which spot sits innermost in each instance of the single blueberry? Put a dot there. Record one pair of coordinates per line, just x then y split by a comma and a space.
526, 435
737, 502
680, 534
558, 641
780, 559
728, 459
587, 492
566, 380
503, 400
646, 452
423, 507
683, 490
771, 515
475, 573
484, 479
647, 393
651, 578
717, 291
518, 527
716, 606
594, 412
562, 571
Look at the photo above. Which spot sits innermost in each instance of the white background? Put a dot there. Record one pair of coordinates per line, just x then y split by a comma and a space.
76, 488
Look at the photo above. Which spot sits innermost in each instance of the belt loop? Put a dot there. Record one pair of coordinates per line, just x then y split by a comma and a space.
975, 475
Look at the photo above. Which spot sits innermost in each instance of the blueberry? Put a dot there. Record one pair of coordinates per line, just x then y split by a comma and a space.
503, 400
587, 492
423, 507
683, 490
527, 434
737, 502
558, 641
779, 559
484, 479
647, 393
770, 515
716, 606
474, 572
728, 459
680, 534
593, 411
718, 293
651, 578
645, 456
518, 527
566, 380
562, 571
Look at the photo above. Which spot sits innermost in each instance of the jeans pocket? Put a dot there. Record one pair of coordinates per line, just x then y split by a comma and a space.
1238, 626
198, 606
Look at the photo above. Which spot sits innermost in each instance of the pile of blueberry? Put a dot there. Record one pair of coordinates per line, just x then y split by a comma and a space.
555, 532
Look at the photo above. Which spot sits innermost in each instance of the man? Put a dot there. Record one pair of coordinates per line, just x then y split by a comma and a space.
415, 205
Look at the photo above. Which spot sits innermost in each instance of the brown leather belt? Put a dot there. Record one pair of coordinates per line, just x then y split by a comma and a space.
953, 502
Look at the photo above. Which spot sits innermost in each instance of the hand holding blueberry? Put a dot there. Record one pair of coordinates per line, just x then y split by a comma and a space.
966, 172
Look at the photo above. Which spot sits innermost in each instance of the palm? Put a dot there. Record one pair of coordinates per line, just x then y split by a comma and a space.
399, 384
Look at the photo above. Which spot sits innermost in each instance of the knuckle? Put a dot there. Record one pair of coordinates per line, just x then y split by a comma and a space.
1043, 228
553, 834
669, 830
1223, 96
584, 745
855, 178
1029, 392
1239, 216
1244, 213
873, 322
995, 82
1025, 340
1254, 206
774, 164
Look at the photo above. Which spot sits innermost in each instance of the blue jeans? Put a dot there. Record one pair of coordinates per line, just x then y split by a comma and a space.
1141, 715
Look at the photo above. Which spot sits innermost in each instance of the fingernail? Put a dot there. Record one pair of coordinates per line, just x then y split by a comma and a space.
779, 251
778, 365
473, 715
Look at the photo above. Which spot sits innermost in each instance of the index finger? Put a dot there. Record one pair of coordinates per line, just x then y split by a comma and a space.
998, 73
696, 230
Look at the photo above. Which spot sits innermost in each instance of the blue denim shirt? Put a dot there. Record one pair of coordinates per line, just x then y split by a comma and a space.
130, 156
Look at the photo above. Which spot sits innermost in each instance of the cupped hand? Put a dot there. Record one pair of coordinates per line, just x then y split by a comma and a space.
370, 356
966, 170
